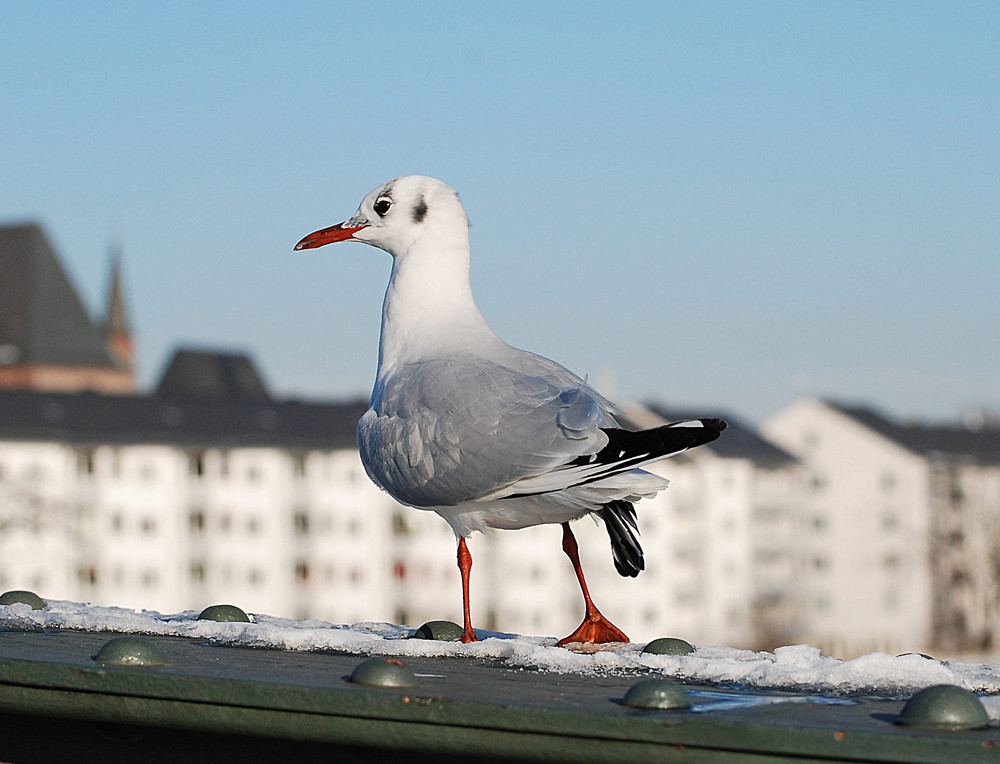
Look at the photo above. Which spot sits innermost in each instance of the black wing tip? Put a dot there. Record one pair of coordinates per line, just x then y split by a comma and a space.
715, 427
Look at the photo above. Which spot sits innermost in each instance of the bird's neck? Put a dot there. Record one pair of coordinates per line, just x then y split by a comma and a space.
429, 309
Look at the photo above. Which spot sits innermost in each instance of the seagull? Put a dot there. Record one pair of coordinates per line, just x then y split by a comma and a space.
486, 435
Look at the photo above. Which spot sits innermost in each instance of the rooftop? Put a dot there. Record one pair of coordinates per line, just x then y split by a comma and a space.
42, 320
979, 445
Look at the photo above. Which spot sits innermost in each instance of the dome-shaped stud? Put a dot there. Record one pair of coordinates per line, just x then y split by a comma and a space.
443, 631
944, 706
383, 672
658, 694
224, 614
129, 651
27, 598
668, 646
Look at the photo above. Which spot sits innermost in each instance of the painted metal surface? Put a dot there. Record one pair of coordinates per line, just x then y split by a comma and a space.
211, 701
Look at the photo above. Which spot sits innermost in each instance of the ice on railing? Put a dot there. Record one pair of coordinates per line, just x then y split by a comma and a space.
796, 667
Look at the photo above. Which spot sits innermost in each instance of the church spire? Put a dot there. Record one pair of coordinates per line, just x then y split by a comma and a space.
117, 333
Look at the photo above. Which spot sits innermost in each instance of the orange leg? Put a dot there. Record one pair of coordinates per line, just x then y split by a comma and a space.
595, 627
465, 565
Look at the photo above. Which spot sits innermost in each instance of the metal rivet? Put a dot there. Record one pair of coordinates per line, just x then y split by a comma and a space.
944, 706
224, 614
129, 651
27, 598
383, 672
668, 646
661, 694
444, 631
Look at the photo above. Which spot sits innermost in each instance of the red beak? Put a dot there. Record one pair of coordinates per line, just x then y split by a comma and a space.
327, 236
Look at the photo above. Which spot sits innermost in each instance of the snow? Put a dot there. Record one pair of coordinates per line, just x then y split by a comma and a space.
795, 667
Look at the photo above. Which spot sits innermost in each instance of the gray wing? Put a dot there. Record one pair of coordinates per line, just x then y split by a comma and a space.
444, 431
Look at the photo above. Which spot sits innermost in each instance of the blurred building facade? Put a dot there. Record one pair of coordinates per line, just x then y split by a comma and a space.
209, 490
832, 525
901, 529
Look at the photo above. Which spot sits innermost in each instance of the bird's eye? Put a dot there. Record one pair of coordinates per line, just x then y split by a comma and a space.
382, 206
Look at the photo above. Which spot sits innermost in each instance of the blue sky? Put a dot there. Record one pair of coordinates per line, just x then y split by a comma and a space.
713, 204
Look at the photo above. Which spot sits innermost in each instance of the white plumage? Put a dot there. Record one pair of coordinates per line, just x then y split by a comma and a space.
485, 434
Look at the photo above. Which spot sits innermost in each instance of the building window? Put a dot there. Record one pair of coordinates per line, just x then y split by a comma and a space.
85, 462
302, 572
196, 464
301, 521
399, 570
198, 572
196, 521
87, 575
148, 525
400, 525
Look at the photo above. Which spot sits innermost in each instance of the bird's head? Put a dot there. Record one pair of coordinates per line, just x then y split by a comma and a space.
398, 214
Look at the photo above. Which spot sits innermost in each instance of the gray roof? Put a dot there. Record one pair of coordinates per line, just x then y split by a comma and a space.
204, 399
981, 446
92, 419
738, 441
42, 319
202, 375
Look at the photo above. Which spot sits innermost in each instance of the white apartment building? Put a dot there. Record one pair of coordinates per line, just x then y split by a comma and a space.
209, 491
900, 532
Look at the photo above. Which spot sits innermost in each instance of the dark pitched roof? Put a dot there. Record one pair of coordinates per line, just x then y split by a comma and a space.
738, 441
980, 445
204, 399
208, 375
42, 319
91, 418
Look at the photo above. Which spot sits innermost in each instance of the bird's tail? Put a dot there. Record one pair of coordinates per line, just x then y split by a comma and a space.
619, 519
627, 450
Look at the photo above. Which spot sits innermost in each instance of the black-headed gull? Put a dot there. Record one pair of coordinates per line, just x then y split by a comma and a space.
484, 434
